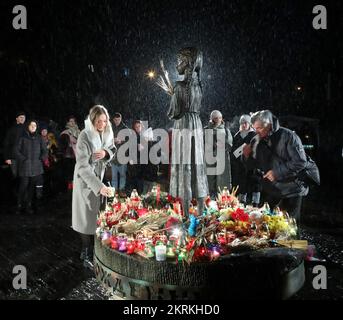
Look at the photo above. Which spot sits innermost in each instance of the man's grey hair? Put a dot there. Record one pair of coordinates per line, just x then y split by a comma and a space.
264, 116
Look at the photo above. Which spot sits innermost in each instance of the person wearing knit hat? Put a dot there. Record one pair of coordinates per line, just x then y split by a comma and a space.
247, 182
43, 125
245, 118
216, 114
20, 113
218, 173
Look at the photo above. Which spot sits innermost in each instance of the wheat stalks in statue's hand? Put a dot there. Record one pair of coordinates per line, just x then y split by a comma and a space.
166, 75
165, 82
162, 66
161, 83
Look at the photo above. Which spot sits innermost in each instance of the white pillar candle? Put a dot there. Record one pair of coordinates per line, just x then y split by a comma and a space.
161, 252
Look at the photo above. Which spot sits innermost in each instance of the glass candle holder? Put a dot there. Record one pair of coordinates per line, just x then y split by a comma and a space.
114, 242
161, 252
122, 245
131, 248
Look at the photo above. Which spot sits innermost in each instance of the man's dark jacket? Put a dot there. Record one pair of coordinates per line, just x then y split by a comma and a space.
11, 140
283, 153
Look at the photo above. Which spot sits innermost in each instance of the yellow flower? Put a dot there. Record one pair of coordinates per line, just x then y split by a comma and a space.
277, 224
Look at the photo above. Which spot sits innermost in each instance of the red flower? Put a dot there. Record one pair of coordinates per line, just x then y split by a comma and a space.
111, 223
240, 215
171, 222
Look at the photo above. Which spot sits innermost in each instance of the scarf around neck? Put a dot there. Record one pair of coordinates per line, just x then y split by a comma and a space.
73, 130
99, 140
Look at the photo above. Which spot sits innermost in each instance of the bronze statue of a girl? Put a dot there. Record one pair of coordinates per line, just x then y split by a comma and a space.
188, 170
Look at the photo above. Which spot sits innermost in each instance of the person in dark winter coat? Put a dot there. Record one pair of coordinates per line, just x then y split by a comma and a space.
279, 155
11, 141
31, 151
222, 177
117, 167
244, 179
136, 169
50, 164
68, 140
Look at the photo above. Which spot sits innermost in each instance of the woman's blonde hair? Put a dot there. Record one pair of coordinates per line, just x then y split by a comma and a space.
52, 140
96, 112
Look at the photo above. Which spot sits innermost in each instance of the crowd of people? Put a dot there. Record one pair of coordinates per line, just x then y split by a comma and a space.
42, 159
262, 158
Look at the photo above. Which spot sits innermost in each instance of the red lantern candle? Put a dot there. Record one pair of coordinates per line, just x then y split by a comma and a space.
215, 253
116, 206
114, 242
158, 194
201, 254
140, 245
222, 240
177, 207
122, 244
131, 248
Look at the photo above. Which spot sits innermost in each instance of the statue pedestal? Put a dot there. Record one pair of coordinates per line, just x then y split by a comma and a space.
276, 273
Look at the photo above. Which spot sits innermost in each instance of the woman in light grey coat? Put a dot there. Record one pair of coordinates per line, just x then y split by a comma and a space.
94, 150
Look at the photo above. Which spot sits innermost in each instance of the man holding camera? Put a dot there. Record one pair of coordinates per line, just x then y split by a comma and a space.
278, 154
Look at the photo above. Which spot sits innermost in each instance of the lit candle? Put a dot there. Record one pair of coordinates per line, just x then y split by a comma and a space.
106, 238
222, 239
131, 248
111, 192
170, 252
215, 254
161, 251
182, 255
114, 242
177, 207
149, 249
140, 245
122, 245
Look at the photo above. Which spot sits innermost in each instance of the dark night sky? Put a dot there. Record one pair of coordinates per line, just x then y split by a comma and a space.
255, 54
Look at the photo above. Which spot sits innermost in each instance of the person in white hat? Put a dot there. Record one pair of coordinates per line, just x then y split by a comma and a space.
218, 173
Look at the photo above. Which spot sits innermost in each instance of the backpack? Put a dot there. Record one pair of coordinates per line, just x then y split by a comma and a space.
310, 174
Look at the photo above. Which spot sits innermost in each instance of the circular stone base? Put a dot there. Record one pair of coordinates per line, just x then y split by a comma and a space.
275, 273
